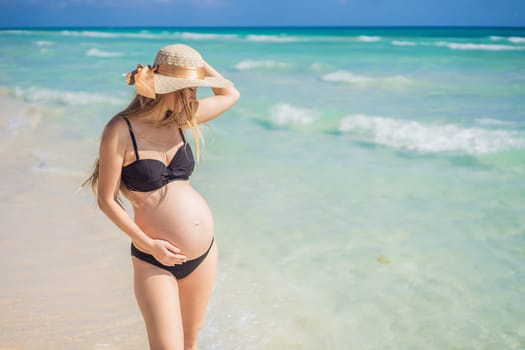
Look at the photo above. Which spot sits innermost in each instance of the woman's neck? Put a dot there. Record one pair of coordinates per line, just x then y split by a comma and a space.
156, 116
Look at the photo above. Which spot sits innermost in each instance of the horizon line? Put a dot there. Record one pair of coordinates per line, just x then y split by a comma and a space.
265, 27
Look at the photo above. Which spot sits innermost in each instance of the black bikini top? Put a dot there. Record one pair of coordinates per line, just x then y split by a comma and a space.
144, 175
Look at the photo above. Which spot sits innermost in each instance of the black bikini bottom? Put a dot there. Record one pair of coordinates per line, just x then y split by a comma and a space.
180, 270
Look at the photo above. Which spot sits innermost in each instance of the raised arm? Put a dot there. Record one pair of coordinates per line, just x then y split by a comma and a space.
211, 107
111, 156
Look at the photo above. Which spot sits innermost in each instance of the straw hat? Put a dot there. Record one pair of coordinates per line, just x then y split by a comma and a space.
175, 67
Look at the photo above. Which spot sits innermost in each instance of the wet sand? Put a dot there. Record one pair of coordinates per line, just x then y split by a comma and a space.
65, 269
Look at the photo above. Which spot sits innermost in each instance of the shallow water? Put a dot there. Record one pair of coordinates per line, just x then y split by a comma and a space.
367, 188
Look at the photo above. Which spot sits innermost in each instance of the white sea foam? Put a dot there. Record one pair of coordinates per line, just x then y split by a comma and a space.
37, 94
16, 31
471, 46
249, 64
89, 34
206, 36
149, 35
367, 38
430, 138
516, 39
493, 122
285, 114
142, 35
271, 38
403, 43
496, 37
112, 35
348, 77
99, 53
43, 43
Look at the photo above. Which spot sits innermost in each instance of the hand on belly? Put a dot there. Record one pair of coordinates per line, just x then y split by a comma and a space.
167, 253
182, 218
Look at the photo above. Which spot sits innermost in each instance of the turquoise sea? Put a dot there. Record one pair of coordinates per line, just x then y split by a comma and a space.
368, 189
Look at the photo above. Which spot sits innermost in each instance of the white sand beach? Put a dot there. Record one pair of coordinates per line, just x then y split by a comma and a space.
65, 271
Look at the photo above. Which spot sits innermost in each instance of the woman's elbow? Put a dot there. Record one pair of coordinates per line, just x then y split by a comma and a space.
236, 95
104, 203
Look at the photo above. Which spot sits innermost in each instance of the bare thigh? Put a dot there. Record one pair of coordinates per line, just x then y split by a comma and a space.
157, 295
194, 292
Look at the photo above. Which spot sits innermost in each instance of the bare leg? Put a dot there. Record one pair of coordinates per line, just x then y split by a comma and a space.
157, 296
194, 292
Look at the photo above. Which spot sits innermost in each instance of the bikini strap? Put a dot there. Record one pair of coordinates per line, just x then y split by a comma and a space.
182, 135
132, 137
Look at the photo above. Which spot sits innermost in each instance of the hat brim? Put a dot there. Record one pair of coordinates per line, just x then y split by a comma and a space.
165, 84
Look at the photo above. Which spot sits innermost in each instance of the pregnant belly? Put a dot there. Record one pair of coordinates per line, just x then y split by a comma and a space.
178, 214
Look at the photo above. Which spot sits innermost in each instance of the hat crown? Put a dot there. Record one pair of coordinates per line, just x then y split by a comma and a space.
179, 55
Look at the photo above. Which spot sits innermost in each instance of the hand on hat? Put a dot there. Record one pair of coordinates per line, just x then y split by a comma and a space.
210, 71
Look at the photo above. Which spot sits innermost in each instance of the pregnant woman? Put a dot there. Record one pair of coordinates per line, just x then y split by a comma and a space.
145, 156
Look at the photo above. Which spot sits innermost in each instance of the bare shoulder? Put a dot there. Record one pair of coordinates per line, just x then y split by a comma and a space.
115, 135
115, 128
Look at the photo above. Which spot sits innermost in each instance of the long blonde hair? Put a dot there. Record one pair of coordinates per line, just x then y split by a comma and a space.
141, 106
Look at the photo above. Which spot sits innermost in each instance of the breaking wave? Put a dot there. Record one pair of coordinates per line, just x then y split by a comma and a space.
148, 35
249, 64
205, 36
16, 31
43, 43
516, 39
271, 38
37, 94
367, 38
430, 138
403, 43
99, 53
472, 46
286, 114
348, 77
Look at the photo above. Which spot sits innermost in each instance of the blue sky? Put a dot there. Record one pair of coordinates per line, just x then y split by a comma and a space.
176, 13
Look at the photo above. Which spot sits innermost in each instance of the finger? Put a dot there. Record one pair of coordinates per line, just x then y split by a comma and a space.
174, 259
171, 248
175, 262
171, 255
180, 257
